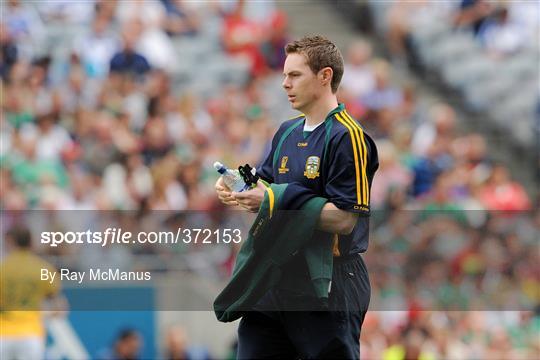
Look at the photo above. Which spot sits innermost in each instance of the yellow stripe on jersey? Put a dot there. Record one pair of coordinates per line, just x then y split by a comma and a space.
270, 199
361, 152
297, 116
364, 159
356, 154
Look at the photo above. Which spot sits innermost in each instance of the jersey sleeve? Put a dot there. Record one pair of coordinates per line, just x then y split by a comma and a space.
350, 171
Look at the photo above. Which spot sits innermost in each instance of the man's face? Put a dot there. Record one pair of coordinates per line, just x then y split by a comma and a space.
301, 84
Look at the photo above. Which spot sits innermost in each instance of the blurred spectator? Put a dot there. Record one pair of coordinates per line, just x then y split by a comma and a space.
24, 26
177, 348
242, 37
67, 11
188, 123
427, 169
153, 42
128, 183
501, 193
29, 92
96, 48
8, 56
126, 346
50, 138
181, 20
176, 344
410, 110
168, 194
156, 141
77, 91
83, 192
128, 60
500, 35
403, 15
23, 296
106, 8
415, 346
524, 14
359, 79
441, 200
276, 39
440, 128
258, 12
473, 14
392, 177
31, 172
383, 94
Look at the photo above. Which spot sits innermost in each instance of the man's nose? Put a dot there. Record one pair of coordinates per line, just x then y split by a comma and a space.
286, 84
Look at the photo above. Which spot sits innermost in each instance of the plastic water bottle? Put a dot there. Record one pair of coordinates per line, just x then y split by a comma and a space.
231, 178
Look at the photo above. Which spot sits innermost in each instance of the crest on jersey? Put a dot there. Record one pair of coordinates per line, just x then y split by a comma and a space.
312, 167
283, 168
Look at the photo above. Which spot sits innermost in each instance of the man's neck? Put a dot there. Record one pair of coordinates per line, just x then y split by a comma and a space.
319, 110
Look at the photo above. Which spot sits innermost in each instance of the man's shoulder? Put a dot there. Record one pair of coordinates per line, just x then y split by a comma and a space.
292, 121
344, 124
346, 130
290, 124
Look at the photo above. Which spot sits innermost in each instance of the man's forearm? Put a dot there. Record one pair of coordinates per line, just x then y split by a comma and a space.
336, 221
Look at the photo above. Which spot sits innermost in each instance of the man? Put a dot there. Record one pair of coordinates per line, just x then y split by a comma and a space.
22, 334
327, 152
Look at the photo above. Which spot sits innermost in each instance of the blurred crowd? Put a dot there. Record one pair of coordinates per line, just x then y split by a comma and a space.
424, 159
96, 123
503, 28
434, 335
483, 54
101, 128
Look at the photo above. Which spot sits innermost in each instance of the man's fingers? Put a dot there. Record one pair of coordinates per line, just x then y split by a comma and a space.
244, 195
229, 201
226, 197
237, 195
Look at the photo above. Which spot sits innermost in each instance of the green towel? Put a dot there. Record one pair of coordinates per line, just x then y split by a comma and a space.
274, 238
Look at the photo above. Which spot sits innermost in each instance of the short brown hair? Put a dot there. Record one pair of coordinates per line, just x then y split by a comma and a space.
320, 53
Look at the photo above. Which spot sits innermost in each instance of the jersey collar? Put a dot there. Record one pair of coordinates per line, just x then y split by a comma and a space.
339, 108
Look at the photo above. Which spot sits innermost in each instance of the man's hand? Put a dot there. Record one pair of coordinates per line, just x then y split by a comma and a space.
224, 193
251, 199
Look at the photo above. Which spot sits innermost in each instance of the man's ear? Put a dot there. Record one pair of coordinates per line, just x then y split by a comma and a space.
325, 75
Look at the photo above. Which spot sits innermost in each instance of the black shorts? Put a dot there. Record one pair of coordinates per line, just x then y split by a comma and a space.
304, 334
